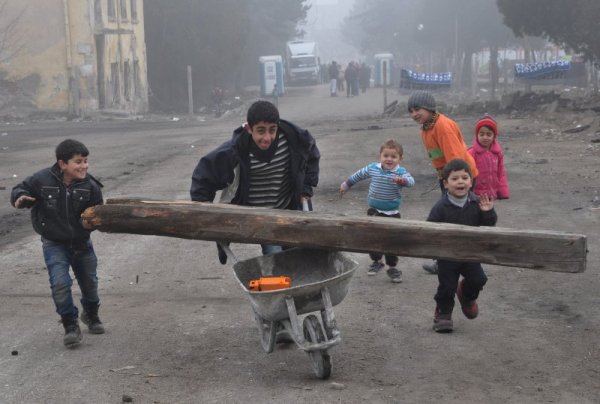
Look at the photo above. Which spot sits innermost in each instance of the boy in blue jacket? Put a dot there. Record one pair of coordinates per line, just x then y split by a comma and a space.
459, 205
57, 196
268, 162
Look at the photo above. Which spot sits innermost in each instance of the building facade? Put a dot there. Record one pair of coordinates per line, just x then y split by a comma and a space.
78, 56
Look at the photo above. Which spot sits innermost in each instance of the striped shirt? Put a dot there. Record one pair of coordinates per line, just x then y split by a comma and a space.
270, 184
384, 194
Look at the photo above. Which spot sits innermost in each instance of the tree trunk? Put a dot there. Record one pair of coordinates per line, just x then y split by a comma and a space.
543, 250
467, 69
493, 71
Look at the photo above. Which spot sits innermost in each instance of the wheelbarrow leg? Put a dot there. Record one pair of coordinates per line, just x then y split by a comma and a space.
294, 321
267, 331
329, 322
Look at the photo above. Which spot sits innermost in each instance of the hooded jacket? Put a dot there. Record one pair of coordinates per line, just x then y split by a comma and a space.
56, 212
228, 166
490, 163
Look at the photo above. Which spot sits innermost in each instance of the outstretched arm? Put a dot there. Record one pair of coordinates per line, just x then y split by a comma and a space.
23, 195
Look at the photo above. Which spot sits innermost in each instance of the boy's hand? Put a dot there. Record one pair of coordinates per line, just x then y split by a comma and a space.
400, 181
343, 187
24, 201
486, 203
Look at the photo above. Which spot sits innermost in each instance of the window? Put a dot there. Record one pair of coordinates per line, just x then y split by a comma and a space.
134, 13
123, 10
126, 81
304, 61
136, 77
98, 11
110, 9
114, 76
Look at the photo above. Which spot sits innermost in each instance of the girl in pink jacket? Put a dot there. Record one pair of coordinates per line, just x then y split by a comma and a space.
489, 160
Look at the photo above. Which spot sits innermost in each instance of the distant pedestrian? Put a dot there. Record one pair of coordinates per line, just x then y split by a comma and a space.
57, 196
216, 96
356, 82
364, 76
459, 206
340, 78
351, 75
384, 198
489, 159
333, 74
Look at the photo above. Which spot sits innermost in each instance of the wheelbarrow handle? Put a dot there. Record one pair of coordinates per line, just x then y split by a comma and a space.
228, 252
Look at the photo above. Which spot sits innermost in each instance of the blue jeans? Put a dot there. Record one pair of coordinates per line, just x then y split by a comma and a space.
59, 258
270, 249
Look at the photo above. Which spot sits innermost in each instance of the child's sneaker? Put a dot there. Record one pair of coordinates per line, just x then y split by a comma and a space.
375, 267
432, 268
442, 322
395, 275
469, 307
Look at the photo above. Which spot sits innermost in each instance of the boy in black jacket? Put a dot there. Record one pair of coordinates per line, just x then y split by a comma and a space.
459, 206
268, 162
57, 196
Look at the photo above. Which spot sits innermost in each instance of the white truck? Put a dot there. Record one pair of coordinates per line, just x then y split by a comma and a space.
302, 63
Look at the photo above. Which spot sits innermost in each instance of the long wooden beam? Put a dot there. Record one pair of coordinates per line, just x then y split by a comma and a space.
534, 249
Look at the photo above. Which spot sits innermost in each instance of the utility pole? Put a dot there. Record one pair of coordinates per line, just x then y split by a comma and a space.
456, 63
384, 82
190, 94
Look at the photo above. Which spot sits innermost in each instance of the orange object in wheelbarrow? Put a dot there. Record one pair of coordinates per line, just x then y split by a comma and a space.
270, 283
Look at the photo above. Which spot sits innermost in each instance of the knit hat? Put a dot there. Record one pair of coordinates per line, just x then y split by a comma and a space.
489, 122
421, 99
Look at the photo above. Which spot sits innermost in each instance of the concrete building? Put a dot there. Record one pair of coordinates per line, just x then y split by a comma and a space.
76, 56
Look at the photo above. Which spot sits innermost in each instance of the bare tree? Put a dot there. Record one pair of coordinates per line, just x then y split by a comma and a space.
11, 43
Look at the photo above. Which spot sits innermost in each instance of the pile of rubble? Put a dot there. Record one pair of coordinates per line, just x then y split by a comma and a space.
516, 103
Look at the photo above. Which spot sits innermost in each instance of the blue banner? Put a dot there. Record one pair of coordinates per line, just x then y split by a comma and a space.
542, 70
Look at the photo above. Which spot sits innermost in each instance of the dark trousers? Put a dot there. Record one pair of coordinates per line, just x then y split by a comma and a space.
390, 260
448, 275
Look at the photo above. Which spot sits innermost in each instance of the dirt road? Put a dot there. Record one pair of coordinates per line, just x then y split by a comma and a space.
180, 329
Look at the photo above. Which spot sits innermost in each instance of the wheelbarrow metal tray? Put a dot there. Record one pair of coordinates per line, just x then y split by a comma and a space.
311, 271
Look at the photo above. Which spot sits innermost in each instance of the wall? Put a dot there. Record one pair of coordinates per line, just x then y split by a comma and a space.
70, 46
41, 34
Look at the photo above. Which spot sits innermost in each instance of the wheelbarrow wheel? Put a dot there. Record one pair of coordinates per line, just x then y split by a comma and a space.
321, 360
267, 330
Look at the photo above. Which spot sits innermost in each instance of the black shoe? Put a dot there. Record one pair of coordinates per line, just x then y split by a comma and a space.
431, 268
92, 321
73, 335
222, 254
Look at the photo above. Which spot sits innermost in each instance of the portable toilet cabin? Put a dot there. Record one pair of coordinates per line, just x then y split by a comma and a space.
271, 75
383, 61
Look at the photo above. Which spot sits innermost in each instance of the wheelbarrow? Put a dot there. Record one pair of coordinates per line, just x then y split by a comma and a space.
303, 313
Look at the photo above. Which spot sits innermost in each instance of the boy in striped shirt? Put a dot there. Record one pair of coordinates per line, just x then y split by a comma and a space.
384, 197
268, 162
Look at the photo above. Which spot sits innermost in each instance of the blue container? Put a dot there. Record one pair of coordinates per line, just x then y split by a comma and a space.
271, 75
383, 60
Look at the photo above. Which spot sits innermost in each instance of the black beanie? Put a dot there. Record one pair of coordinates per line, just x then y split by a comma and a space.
421, 99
